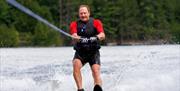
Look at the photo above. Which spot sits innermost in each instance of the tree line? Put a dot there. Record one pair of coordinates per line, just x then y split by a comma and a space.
124, 21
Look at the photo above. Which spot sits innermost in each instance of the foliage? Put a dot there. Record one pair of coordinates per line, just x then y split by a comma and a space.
9, 37
123, 20
44, 36
176, 32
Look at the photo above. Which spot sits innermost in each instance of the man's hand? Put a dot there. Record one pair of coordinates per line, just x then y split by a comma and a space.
76, 38
89, 40
93, 39
84, 40
80, 39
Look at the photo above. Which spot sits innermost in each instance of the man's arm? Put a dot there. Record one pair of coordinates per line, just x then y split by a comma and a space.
99, 26
101, 36
73, 31
76, 38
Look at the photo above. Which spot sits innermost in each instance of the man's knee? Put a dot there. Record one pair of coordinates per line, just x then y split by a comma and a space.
96, 69
77, 65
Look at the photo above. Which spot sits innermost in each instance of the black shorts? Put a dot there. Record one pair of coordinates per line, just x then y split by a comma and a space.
91, 57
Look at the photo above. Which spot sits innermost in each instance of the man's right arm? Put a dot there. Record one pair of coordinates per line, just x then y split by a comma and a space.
73, 31
76, 38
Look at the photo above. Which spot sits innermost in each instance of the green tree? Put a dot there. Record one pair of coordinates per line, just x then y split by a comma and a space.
175, 31
9, 37
45, 37
5, 16
123, 20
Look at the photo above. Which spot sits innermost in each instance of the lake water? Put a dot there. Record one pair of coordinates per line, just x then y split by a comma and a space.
124, 68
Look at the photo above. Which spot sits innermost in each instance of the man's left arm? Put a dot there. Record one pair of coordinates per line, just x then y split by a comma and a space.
99, 37
99, 26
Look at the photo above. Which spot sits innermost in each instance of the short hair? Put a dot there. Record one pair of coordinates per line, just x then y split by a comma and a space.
88, 8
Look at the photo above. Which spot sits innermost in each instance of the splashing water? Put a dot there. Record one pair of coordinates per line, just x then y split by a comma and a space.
124, 68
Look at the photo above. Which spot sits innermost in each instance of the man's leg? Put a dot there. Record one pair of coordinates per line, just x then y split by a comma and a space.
96, 74
77, 65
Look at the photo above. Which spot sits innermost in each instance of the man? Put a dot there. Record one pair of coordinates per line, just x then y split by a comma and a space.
87, 33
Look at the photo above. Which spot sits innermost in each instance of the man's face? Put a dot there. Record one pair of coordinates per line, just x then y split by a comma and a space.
84, 14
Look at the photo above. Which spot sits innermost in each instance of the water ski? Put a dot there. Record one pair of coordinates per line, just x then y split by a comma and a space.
97, 88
